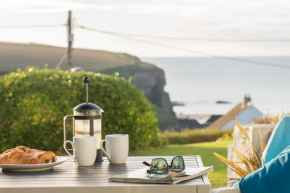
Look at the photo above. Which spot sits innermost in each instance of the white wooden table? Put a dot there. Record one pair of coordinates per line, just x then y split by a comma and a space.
71, 179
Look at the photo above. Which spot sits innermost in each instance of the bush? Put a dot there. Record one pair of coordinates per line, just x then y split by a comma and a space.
34, 102
194, 136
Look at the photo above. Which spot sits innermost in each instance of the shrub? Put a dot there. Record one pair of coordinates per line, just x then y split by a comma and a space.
34, 102
251, 160
193, 136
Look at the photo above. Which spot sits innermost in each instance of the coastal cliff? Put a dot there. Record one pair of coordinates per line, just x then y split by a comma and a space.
145, 76
151, 80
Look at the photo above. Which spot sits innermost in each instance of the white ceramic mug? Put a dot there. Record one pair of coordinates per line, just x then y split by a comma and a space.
84, 149
117, 147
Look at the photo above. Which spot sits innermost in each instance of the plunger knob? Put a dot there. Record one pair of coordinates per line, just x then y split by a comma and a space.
86, 79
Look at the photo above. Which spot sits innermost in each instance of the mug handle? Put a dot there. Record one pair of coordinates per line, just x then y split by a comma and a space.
103, 150
64, 146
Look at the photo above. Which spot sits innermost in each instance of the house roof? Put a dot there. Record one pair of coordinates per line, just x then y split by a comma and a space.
229, 116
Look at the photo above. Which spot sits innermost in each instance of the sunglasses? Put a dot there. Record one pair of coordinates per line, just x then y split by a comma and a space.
160, 165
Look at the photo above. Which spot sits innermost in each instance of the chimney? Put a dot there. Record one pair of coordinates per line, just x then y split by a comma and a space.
247, 100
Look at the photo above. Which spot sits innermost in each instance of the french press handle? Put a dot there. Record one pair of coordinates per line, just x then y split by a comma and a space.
64, 126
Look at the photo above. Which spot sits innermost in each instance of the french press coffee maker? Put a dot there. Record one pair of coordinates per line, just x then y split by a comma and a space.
87, 120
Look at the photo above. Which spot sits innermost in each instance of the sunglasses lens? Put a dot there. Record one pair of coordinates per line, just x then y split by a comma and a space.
159, 166
177, 164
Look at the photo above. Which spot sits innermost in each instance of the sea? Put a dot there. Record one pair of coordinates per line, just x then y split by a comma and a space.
200, 82
188, 39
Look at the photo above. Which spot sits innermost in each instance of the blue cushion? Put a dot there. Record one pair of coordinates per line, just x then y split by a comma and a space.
279, 140
273, 177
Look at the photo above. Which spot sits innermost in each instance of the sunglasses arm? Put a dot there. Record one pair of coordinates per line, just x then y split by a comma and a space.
146, 164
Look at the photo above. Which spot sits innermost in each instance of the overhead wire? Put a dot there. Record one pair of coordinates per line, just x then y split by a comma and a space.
190, 38
32, 26
184, 49
202, 39
161, 37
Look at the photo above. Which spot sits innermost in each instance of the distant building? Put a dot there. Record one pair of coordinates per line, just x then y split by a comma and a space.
76, 69
244, 112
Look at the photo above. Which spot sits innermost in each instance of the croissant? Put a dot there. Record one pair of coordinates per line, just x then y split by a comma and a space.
4, 156
15, 156
25, 155
24, 149
43, 156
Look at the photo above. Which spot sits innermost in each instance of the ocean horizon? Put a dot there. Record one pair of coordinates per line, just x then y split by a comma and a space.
199, 82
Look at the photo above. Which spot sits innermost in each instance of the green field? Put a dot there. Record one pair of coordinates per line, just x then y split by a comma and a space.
218, 177
18, 56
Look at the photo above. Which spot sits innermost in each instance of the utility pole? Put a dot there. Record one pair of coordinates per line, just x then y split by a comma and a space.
70, 40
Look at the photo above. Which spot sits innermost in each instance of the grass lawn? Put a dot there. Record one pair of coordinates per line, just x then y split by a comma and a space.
218, 177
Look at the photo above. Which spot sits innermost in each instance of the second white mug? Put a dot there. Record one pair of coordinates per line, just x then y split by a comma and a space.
117, 148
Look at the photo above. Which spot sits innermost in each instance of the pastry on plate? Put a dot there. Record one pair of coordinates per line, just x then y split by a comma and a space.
25, 155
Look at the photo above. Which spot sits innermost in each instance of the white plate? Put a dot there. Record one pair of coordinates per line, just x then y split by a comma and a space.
32, 167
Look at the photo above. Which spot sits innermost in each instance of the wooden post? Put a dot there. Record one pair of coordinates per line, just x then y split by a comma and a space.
70, 40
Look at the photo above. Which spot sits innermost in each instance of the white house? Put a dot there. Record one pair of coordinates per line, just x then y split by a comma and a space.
244, 112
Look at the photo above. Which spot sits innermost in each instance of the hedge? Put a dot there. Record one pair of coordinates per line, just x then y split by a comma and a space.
33, 103
194, 136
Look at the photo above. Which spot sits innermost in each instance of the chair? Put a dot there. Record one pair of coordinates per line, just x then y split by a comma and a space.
278, 142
